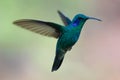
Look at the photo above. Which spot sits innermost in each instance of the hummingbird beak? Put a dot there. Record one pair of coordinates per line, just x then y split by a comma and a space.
94, 18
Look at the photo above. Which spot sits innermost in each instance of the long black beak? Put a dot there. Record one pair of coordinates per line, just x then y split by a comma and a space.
94, 18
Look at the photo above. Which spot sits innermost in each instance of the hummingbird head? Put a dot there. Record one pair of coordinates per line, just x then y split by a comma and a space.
84, 17
81, 19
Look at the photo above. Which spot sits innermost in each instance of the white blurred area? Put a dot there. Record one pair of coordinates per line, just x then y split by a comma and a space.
17, 65
103, 45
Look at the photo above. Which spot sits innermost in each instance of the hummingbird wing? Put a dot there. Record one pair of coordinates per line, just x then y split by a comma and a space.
64, 19
44, 28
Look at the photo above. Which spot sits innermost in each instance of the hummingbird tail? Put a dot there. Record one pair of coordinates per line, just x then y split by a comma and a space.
57, 62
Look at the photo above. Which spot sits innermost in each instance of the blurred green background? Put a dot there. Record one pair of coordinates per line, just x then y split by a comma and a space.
94, 57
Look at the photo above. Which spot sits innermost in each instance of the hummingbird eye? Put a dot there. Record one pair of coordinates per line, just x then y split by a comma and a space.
79, 18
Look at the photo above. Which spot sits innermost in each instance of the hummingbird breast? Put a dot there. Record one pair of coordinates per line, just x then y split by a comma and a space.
67, 40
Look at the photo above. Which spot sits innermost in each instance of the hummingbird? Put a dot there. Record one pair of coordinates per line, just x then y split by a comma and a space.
67, 34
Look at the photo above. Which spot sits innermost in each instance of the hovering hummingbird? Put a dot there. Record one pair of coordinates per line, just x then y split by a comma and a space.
67, 35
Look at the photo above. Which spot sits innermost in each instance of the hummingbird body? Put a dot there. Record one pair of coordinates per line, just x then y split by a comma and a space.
67, 35
67, 39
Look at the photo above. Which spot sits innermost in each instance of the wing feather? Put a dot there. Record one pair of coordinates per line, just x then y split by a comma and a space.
44, 28
64, 19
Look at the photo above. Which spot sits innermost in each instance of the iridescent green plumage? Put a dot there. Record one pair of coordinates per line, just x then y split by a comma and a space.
67, 35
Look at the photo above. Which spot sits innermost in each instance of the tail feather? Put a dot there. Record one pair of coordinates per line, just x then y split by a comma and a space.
57, 63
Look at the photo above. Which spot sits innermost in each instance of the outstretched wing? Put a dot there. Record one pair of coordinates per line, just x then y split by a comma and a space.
64, 19
44, 28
